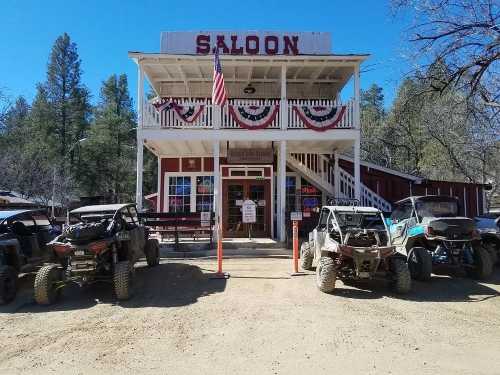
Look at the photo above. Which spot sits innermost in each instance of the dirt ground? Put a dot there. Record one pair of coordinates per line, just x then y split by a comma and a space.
260, 321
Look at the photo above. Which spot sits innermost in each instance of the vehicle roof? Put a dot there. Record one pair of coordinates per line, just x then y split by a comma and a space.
354, 209
8, 214
427, 198
101, 208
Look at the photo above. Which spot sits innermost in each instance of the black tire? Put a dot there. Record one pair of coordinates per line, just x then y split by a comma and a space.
483, 267
123, 280
401, 277
420, 264
326, 274
86, 231
46, 286
8, 284
152, 252
306, 256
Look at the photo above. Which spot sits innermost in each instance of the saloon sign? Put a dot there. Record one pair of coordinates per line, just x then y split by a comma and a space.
246, 43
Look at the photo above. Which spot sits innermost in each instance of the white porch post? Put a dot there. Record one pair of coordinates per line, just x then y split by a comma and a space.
283, 103
140, 140
281, 189
357, 125
217, 193
336, 175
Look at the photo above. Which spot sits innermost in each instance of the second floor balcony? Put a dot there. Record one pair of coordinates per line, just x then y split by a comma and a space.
243, 114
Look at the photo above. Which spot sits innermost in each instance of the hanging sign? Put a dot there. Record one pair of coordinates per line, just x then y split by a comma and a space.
296, 216
246, 42
250, 155
248, 211
320, 118
205, 218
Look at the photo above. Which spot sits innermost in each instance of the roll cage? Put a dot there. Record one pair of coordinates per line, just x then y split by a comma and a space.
333, 224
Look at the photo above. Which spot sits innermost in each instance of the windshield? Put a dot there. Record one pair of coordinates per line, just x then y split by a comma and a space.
360, 221
436, 209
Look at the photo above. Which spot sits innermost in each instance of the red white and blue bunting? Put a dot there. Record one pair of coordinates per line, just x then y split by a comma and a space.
320, 118
185, 112
254, 117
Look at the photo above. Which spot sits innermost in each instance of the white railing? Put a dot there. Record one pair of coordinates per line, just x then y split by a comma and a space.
319, 169
169, 119
318, 165
294, 122
368, 197
228, 121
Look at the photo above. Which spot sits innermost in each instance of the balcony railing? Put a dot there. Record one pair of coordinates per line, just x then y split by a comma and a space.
169, 119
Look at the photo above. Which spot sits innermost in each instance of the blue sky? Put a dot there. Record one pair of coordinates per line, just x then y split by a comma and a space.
105, 30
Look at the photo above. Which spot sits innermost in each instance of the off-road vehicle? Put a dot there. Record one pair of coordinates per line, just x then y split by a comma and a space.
103, 245
24, 235
432, 235
353, 242
488, 226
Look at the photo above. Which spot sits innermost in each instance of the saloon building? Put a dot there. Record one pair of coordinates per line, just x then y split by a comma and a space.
280, 139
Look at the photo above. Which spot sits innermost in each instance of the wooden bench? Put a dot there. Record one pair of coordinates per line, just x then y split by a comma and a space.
176, 223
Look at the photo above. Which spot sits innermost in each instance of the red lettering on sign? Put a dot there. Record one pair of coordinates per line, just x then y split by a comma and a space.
221, 44
234, 50
203, 44
291, 45
255, 40
267, 43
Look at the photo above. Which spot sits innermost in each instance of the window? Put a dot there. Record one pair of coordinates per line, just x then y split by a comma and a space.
204, 193
41, 220
311, 197
179, 194
402, 212
291, 182
323, 218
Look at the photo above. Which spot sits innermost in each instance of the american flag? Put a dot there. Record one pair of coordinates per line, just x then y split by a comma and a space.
219, 94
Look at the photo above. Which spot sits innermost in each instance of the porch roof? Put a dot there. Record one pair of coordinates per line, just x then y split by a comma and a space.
307, 76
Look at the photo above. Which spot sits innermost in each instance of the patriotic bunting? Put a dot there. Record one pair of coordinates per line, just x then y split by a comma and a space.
186, 113
253, 117
320, 118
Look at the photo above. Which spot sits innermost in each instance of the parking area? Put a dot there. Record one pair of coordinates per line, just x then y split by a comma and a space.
260, 321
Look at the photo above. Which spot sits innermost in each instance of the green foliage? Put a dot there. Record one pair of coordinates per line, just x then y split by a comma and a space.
108, 154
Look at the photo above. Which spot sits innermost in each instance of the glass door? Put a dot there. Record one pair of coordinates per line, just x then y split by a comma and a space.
237, 191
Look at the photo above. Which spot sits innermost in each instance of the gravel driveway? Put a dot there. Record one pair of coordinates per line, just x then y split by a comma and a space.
260, 321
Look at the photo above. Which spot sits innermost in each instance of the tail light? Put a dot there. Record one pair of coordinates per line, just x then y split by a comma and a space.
61, 249
98, 247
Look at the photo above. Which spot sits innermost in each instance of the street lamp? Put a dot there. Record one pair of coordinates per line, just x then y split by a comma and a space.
55, 170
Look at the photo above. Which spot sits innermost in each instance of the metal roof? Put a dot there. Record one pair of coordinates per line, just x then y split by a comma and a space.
101, 208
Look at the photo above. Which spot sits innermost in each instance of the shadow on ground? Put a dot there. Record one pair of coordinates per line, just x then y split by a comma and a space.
167, 285
441, 288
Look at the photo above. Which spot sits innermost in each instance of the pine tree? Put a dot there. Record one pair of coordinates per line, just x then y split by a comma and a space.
109, 152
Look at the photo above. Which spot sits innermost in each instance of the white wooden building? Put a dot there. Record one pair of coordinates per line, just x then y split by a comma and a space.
276, 141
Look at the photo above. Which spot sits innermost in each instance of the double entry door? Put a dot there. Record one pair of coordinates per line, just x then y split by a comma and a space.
235, 192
